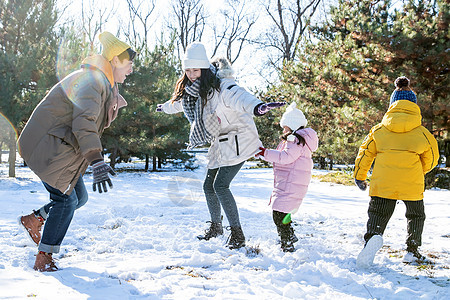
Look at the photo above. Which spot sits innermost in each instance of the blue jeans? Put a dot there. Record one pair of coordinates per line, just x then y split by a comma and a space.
59, 213
217, 192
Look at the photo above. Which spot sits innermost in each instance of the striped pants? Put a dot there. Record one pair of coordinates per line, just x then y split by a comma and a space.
381, 210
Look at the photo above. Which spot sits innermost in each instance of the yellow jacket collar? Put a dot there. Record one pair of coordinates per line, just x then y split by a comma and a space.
99, 62
402, 116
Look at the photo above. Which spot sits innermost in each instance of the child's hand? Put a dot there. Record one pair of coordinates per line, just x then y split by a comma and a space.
260, 153
362, 184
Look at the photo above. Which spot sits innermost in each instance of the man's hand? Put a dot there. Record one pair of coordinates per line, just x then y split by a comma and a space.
100, 176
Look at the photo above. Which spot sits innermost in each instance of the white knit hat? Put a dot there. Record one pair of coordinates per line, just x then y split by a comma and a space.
195, 57
293, 117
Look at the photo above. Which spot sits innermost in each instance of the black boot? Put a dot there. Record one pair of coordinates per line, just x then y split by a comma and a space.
287, 236
214, 230
413, 254
236, 239
285, 232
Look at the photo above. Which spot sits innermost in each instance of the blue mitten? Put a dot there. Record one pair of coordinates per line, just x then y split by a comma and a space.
362, 184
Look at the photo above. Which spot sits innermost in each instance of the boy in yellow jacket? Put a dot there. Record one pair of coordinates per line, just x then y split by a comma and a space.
405, 151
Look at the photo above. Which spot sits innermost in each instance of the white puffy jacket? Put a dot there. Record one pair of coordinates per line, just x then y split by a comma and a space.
238, 138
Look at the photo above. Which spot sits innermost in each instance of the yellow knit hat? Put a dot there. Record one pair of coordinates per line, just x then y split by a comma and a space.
112, 46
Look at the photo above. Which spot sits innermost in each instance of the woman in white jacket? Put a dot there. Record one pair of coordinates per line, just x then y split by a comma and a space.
221, 114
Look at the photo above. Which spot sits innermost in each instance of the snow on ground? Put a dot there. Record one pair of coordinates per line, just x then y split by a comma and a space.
138, 241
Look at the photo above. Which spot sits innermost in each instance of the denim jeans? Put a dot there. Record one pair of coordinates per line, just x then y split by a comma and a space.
217, 192
59, 213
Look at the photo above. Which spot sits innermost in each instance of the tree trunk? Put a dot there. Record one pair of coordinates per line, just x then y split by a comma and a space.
154, 163
113, 158
159, 162
330, 157
12, 154
322, 163
147, 162
447, 153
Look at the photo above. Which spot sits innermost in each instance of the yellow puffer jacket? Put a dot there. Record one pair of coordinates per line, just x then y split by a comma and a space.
404, 152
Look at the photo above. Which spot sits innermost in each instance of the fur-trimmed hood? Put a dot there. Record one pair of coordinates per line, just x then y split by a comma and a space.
222, 67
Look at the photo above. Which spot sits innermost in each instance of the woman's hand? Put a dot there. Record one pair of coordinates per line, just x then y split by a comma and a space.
266, 107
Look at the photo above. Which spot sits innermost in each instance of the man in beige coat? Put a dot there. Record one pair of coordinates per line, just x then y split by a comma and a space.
62, 138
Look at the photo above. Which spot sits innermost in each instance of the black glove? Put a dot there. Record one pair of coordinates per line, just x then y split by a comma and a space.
362, 184
100, 176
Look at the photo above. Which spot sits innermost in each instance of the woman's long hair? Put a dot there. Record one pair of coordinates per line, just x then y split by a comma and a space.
301, 140
208, 83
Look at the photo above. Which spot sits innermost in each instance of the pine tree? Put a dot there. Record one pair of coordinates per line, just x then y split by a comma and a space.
345, 74
27, 59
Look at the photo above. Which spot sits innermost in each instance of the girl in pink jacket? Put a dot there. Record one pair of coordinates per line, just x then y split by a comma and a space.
292, 165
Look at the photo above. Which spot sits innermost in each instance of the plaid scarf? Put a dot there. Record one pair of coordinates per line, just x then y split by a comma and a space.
203, 130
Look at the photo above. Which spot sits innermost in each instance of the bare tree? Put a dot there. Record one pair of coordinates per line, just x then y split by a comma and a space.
190, 21
290, 23
137, 29
93, 17
237, 25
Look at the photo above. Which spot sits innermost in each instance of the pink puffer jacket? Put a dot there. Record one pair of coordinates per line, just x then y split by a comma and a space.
292, 165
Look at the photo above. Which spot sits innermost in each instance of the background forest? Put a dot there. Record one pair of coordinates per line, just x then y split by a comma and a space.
336, 59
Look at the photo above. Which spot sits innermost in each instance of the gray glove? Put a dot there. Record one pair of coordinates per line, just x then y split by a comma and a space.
362, 184
100, 176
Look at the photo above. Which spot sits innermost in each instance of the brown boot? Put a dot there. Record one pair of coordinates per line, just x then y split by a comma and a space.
44, 262
33, 226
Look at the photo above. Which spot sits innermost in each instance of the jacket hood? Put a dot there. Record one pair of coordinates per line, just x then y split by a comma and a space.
402, 116
222, 67
310, 137
99, 62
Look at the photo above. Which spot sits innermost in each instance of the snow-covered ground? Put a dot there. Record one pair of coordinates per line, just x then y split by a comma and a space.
138, 241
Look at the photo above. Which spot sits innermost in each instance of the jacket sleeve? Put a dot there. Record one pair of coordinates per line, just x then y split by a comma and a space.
366, 154
238, 99
430, 157
172, 108
286, 156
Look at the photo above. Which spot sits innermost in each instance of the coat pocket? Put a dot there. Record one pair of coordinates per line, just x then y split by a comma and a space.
229, 146
66, 137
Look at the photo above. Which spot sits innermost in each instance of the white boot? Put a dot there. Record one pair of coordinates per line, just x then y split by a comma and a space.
366, 256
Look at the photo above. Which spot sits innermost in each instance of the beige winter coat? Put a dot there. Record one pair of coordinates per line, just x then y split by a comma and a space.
63, 133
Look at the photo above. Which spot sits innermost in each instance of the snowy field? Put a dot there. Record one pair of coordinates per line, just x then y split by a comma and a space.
138, 241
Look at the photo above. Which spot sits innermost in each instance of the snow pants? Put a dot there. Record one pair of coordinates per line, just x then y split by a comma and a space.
380, 212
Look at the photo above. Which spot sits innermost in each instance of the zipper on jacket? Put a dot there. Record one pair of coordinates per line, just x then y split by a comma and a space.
237, 145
